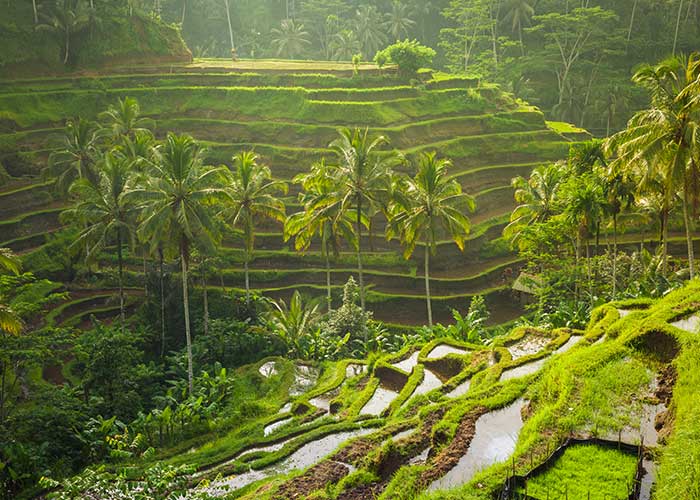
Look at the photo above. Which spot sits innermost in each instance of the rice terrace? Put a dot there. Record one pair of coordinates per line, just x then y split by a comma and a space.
349, 249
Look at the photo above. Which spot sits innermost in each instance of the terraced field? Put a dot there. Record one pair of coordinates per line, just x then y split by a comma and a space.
565, 412
289, 115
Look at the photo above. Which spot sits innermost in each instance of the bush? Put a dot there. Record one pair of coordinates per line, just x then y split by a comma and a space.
409, 56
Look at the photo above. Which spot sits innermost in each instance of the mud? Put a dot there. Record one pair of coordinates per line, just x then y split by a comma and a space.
659, 345
445, 368
316, 478
391, 379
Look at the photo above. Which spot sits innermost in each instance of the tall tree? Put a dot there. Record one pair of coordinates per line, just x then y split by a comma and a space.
322, 216
124, 120
369, 29
251, 196
10, 322
363, 175
518, 14
398, 21
429, 205
68, 18
104, 214
290, 39
75, 157
176, 207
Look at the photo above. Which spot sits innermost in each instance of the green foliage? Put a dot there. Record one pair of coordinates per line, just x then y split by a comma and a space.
408, 55
349, 320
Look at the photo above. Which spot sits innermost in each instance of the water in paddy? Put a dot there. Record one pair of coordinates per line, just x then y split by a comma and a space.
380, 401
494, 441
532, 344
354, 369
573, 340
522, 370
323, 401
268, 369
460, 390
304, 457
430, 382
443, 350
690, 324
305, 378
286, 408
648, 479
276, 425
408, 363
421, 458
402, 434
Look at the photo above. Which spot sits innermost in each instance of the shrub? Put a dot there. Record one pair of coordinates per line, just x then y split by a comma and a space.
409, 56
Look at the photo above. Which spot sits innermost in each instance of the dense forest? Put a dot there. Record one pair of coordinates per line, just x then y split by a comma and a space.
346, 250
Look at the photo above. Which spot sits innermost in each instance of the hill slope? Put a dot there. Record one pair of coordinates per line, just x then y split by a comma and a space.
288, 113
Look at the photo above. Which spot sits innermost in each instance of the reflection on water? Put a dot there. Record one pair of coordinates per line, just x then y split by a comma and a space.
443, 350
380, 401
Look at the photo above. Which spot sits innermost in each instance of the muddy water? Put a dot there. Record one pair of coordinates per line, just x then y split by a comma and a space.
522, 370
305, 378
460, 390
531, 344
402, 434
304, 457
443, 350
276, 425
494, 441
648, 480
380, 401
690, 324
430, 382
421, 458
573, 340
323, 401
268, 369
408, 363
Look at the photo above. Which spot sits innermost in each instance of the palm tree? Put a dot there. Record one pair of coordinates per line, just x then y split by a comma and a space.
363, 177
75, 158
251, 196
176, 210
536, 198
124, 120
290, 39
344, 45
519, 13
429, 204
322, 216
68, 18
293, 322
104, 214
398, 23
661, 141
9, 320
369, 29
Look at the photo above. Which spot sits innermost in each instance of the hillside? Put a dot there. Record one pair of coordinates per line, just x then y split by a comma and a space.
288, 113
606, 412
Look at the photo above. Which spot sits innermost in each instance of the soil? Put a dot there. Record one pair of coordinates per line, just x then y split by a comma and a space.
445, 368
364, 492
316, 478
448, 458
390, 378
659, 345
664, 392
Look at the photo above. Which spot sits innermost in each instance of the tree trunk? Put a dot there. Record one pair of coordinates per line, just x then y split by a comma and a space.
65, 58
36, 12
205, 299
246, 257
614, 263
427, 285
678, 25
145, 274
634, 11
329, 296
520, 37
228, 18
120, 260
359, 256
184, 11
689, 238
664, 243
589, 272
186, 304
162, 305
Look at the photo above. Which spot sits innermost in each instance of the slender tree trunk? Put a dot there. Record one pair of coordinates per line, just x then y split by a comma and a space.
689, 238
664, 243
329, 296
589, 271
520, 36
614, 263
162, 304
246, 258
634, 11
184, 11
359, 256
145, 274
205, 299
36, 12
65, 58
678, 25
230, 28
426, 270
3, 370
120, 259
186, 304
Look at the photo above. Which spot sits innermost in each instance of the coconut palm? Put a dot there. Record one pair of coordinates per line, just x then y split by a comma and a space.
344, 45
251, 196
68, 18
369, 29
430, 205
125, 121
290, 39
518, 14
662, 141
103, 213
536, 198
176, 210
363, 177
9, 320
398, 23
76, 156
322, 216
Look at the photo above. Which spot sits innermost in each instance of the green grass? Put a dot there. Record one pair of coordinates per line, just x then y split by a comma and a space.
586, 471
